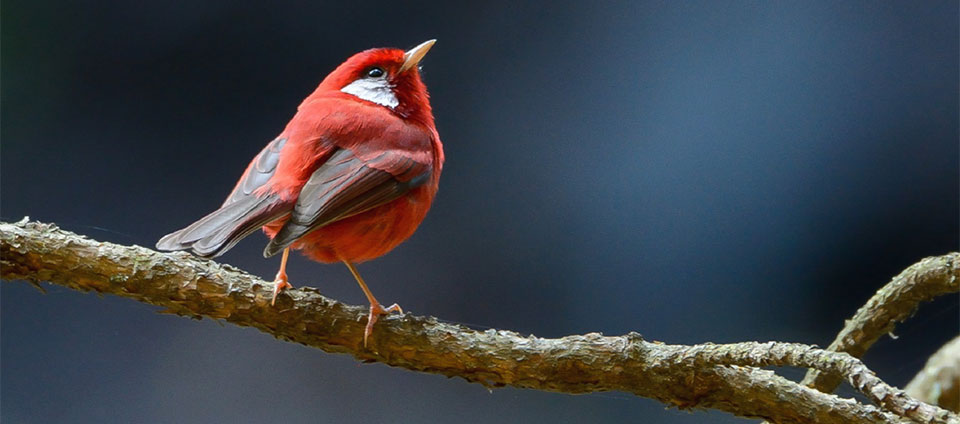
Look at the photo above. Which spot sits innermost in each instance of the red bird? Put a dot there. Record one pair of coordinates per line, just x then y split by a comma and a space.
350, 177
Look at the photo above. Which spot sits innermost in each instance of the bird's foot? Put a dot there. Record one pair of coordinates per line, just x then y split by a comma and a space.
375, 311
279, 284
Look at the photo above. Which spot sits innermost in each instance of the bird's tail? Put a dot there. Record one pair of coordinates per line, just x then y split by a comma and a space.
214, 234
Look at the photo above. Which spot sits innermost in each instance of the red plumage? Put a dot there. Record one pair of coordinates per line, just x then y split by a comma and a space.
381, 140
350, 177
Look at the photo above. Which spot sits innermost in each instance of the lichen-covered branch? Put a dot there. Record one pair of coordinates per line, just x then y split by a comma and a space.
898, 300
722, 377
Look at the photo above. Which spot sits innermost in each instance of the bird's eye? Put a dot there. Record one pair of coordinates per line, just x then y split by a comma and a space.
375, 72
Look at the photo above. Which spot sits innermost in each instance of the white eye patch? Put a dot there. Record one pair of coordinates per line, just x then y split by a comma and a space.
376, 90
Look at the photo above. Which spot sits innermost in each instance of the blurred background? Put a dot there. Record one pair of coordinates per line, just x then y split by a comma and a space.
693, 171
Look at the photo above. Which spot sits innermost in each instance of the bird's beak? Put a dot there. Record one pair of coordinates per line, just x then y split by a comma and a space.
412, 57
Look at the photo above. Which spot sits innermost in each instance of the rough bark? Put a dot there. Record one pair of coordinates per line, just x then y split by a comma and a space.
723, 377
938, 383
898, 300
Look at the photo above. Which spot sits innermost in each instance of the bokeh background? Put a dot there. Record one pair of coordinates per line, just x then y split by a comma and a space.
693, 171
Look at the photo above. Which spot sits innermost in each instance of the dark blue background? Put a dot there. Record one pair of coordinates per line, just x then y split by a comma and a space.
715, 171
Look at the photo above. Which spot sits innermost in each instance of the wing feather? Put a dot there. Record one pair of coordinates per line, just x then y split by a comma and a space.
243, 212
261, 169
344, 186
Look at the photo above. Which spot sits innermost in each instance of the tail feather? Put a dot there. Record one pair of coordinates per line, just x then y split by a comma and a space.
289, 228
219, 231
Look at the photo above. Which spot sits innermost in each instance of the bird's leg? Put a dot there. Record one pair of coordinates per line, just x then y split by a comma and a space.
280, 282
375, 308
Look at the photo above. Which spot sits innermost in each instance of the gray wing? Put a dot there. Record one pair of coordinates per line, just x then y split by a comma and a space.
258, 172
342, 187
241, 214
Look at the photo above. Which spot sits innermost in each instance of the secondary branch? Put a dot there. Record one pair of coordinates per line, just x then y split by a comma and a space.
898, 300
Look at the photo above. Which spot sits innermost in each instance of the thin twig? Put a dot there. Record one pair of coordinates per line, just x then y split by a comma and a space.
898, 300
799, 355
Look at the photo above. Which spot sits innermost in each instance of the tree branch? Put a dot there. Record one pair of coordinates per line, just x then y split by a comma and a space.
898, 300
938, 383
708, 376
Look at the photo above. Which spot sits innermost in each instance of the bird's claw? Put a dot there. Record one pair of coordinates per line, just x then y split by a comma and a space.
279, 284
375, 311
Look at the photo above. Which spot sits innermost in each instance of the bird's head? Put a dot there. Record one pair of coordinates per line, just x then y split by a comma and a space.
387, 77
